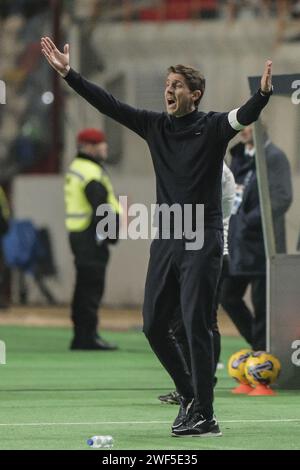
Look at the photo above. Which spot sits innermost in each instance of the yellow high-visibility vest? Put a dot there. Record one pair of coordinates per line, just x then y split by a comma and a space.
79, 212
4, 204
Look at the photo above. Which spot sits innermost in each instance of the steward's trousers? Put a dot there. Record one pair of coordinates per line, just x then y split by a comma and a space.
90, 264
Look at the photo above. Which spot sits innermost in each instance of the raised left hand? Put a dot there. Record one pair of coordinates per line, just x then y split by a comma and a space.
266, 79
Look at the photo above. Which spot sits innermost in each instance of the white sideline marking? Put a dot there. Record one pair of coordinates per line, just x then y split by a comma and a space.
291, 420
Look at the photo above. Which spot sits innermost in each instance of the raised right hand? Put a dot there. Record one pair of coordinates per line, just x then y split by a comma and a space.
60, 61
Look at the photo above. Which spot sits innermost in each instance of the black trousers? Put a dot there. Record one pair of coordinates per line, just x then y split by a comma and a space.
177, 330
251, 326
90, 265
175, 277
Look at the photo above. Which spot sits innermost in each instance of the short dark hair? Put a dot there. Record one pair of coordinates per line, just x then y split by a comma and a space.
194, 79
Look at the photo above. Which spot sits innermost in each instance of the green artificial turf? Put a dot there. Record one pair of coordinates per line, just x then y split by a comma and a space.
51, 398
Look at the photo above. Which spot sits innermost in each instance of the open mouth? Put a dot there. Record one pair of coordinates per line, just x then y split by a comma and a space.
171, 102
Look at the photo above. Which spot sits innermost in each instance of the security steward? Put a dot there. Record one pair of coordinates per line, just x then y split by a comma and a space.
87, 186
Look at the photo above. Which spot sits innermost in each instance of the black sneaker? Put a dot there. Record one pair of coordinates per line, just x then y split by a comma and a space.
185, 407
171, 398
198, 426
94, 344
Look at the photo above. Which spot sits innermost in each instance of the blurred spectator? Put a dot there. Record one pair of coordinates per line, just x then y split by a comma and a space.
28, 143
295, 10
27, 8
239, 8
247, 265
27, 250
4, 223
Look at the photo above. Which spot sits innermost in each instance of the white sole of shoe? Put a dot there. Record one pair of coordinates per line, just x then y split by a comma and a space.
168, 402
207, 434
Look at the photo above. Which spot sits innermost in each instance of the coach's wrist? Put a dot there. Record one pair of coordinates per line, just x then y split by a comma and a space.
65, 71
266, 93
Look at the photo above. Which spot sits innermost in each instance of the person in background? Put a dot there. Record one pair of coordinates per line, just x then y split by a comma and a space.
247, 266
87, 186
4, 225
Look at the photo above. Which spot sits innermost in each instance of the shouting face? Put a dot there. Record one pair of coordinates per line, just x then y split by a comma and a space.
179, 99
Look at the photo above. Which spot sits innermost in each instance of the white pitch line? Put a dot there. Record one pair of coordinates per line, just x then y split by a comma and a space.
102, 423
288, 420
85, 424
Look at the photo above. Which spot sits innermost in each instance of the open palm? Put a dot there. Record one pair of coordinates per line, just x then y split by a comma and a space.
266, 79
60, 61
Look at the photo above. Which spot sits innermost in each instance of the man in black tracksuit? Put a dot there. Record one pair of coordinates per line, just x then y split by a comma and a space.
187, 149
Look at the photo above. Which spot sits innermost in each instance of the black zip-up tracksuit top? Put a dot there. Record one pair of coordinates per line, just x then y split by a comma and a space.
187, 152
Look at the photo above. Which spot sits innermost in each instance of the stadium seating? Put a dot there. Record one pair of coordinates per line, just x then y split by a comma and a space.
177, 10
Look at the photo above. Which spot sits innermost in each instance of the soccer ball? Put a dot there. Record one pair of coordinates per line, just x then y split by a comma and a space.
236, 365
262, 368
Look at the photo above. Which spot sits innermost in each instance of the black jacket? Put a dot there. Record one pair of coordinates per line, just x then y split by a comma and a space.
187, 152
246, 242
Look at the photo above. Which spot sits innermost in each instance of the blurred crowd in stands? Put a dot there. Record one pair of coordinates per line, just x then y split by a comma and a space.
26, 142
27, 8
152, 10
172, 10
24, 120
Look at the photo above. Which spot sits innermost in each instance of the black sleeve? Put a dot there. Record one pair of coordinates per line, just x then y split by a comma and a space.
229, 124
235, 152
96, 194
135, 119
280, 184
